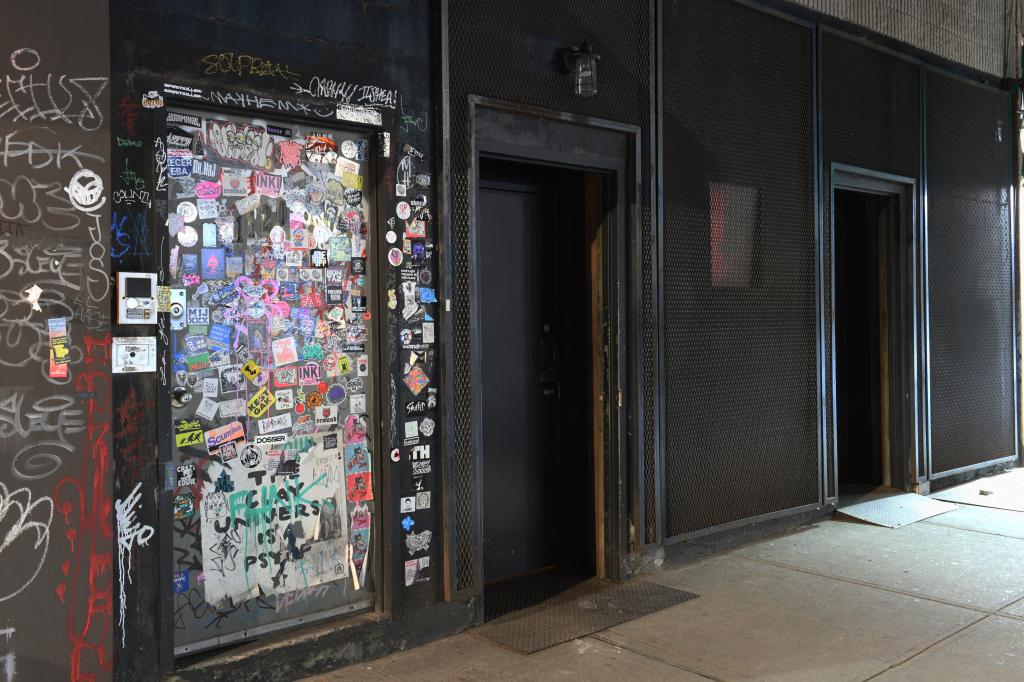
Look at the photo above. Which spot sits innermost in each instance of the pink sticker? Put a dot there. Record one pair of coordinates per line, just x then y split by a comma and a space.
289, 153
285, 351
207, 189
267, 184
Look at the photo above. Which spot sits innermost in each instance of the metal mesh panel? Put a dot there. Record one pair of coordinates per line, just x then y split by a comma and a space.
970, 255
506, 50
871, 118
739, 265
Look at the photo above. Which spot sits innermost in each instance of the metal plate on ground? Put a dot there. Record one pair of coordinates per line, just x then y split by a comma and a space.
1003, 491
892, 509
583, 610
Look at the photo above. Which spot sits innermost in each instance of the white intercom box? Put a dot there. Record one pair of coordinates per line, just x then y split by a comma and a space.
136, 298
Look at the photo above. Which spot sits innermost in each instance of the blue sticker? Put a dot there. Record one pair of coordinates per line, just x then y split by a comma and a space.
181, 581
408, 523
190, 264
427, 295
213, 264
220, 334
179, 163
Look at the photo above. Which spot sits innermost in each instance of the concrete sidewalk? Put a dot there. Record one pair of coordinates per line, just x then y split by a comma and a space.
942, 599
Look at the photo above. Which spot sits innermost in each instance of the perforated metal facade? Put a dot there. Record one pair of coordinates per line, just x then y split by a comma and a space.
871, 118
739, 267
970, 274
508, 51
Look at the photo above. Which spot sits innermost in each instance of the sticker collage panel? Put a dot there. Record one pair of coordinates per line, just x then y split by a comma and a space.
269, 309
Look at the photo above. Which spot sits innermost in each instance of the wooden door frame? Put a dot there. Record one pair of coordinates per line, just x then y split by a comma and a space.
614, 149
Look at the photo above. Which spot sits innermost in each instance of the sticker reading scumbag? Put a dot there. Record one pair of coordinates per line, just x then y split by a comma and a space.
229, 433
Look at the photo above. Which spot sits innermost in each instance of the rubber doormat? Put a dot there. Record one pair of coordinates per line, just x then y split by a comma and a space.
583, 610
892, 508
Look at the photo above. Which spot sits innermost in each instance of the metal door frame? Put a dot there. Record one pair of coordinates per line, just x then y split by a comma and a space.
621, 273
383, 560
904, 413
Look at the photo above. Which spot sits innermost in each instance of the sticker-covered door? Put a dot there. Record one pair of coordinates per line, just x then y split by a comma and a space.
269, 303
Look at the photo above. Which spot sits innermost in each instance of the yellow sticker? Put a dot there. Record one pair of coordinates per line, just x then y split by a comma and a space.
260, 403
344, 364
352, 181
163, 299
251, 370
188, 439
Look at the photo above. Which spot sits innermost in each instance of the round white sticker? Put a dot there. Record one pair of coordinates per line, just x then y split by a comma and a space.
403, 210
188, 237
188, 211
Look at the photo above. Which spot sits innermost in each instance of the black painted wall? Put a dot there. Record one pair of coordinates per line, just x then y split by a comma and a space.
267, 60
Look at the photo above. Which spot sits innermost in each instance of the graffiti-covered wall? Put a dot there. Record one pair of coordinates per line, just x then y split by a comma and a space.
56, 509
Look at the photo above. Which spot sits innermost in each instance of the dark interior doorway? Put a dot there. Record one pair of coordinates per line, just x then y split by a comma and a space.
537, 226
866, 232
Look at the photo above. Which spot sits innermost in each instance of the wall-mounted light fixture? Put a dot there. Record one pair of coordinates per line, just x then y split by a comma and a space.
582, 64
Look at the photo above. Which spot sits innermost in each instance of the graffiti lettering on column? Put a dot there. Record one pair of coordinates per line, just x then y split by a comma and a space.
29, 94
344, 92
84, 501
25, 532
42, 430
411, 120
129, 234
128, 436
127, 114
160, 160
130, 197
130, 532
244, 65
267, 104
42, 147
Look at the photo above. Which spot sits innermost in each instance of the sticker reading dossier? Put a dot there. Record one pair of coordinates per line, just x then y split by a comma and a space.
273, 463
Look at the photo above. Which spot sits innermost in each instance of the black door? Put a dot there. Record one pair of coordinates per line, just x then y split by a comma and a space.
535, 370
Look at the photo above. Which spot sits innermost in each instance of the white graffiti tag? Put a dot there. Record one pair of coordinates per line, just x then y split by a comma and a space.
86, 191
18, 516
129, 533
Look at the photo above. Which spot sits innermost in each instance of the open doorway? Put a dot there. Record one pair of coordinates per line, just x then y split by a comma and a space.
863, 223
874, 333
540, 311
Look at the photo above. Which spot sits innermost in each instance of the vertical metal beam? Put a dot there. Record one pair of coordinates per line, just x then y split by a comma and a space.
926, 455
819, 274
657, 262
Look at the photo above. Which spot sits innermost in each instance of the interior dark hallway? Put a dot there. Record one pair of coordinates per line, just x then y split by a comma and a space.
863, 224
